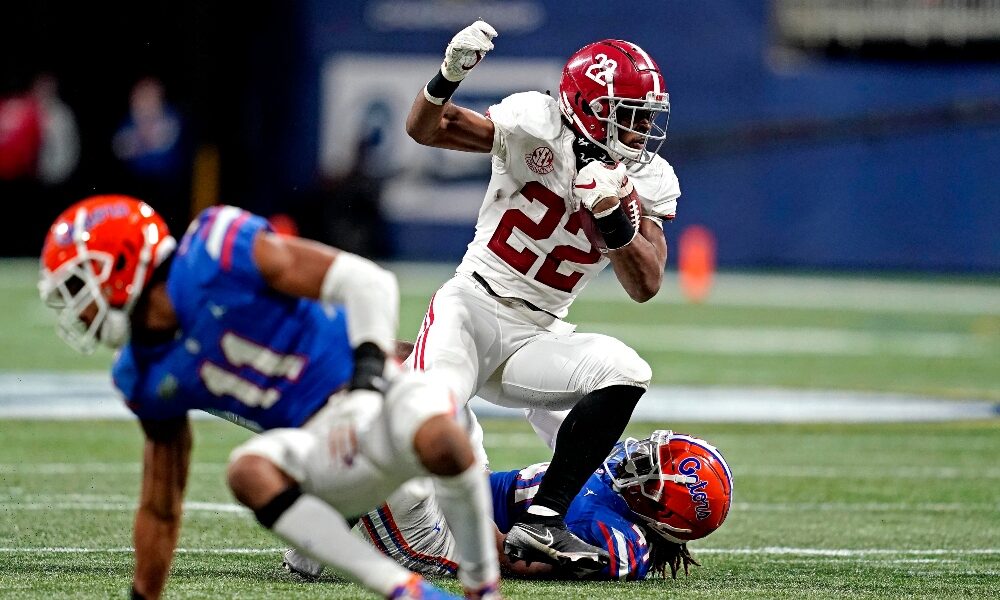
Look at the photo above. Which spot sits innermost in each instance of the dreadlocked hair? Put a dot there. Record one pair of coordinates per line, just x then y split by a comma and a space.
664, 553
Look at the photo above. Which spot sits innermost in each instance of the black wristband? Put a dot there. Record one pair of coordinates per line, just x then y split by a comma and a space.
616, 228
441, 87
369, 362
136, 595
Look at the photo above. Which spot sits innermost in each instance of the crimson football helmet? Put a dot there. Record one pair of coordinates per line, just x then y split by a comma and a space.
610, 88
100, 251
679, 485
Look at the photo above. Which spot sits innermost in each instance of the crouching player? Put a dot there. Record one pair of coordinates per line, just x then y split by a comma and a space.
648, 500
241, 321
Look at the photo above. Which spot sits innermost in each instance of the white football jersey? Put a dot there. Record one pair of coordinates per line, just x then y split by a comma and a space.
529, 243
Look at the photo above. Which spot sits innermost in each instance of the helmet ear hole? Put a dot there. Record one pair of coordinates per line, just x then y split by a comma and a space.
121, 262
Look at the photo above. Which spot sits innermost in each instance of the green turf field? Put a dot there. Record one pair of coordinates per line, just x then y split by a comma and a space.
859, 511
821, 511
929, 336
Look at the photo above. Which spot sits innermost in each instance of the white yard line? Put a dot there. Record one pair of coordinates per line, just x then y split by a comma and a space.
103, 468
58, 502
123, 550
850, 552
215, 508
27, 395
651, 337
528, 440
767, 550
866, 507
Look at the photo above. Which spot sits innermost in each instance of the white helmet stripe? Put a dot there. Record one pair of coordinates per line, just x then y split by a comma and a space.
649, 65
711, 450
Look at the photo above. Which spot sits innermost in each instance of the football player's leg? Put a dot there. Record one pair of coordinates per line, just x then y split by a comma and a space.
546, 423
602, 379
301, 518
442, 448
458, 342
411, 529
301, 482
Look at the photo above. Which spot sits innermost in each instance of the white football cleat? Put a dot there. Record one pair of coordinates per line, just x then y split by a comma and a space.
299, 564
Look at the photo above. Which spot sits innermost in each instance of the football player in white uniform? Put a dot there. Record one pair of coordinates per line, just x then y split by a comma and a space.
562, 203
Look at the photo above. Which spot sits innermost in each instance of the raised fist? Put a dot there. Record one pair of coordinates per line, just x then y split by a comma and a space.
466, 49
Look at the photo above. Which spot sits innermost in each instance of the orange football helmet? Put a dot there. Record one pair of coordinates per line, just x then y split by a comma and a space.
679, 485
100, 252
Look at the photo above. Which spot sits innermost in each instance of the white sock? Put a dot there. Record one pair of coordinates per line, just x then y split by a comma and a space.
319, 531
542, 511
467, 504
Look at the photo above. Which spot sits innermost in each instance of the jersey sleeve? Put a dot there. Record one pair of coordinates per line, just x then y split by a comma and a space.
218, 247
526, 114
662, 205
626, 545
128, 380
513, 492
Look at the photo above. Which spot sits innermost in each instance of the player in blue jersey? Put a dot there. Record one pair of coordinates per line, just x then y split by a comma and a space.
282, 334
645, 503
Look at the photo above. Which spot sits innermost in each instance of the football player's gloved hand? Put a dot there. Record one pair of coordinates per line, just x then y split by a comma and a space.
596, 181
369, 363
466, 49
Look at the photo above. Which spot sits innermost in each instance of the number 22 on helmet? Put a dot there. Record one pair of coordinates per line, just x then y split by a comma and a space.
679, 485
614, 95
98, 256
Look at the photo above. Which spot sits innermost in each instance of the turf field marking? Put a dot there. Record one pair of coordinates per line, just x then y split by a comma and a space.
792, 340
127, 506
124, 550
849, 552
61, 468
868, 472
528, 440
866, 506
769, 550
41, 502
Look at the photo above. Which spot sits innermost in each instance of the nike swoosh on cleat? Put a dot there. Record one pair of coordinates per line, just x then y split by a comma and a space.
588, 186
547, 539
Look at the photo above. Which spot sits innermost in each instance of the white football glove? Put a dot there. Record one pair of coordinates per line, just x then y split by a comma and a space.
597, 181
466, 49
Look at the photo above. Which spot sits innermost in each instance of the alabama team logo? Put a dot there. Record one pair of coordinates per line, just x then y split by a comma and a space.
540, 160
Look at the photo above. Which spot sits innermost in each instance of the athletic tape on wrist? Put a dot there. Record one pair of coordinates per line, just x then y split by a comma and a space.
616, 228
439, 89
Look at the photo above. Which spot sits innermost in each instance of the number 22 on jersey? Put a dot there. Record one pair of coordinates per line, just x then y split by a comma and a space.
523, 260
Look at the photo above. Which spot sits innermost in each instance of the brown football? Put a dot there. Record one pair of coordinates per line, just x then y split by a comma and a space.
633, 208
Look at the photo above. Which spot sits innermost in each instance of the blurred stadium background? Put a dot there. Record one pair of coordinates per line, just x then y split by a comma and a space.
842, 156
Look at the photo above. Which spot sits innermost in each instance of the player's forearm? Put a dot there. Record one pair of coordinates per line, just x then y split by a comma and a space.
639, 266
155, 539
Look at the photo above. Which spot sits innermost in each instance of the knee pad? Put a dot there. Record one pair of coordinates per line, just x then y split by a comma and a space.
413, 398
619, 364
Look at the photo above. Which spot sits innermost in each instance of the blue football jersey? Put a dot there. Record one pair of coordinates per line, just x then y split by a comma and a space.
597, 515
241, 348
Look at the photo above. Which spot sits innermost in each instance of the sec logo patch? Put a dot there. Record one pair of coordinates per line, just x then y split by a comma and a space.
540, 160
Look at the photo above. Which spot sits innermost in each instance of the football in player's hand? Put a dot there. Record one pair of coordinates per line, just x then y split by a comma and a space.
633, 208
